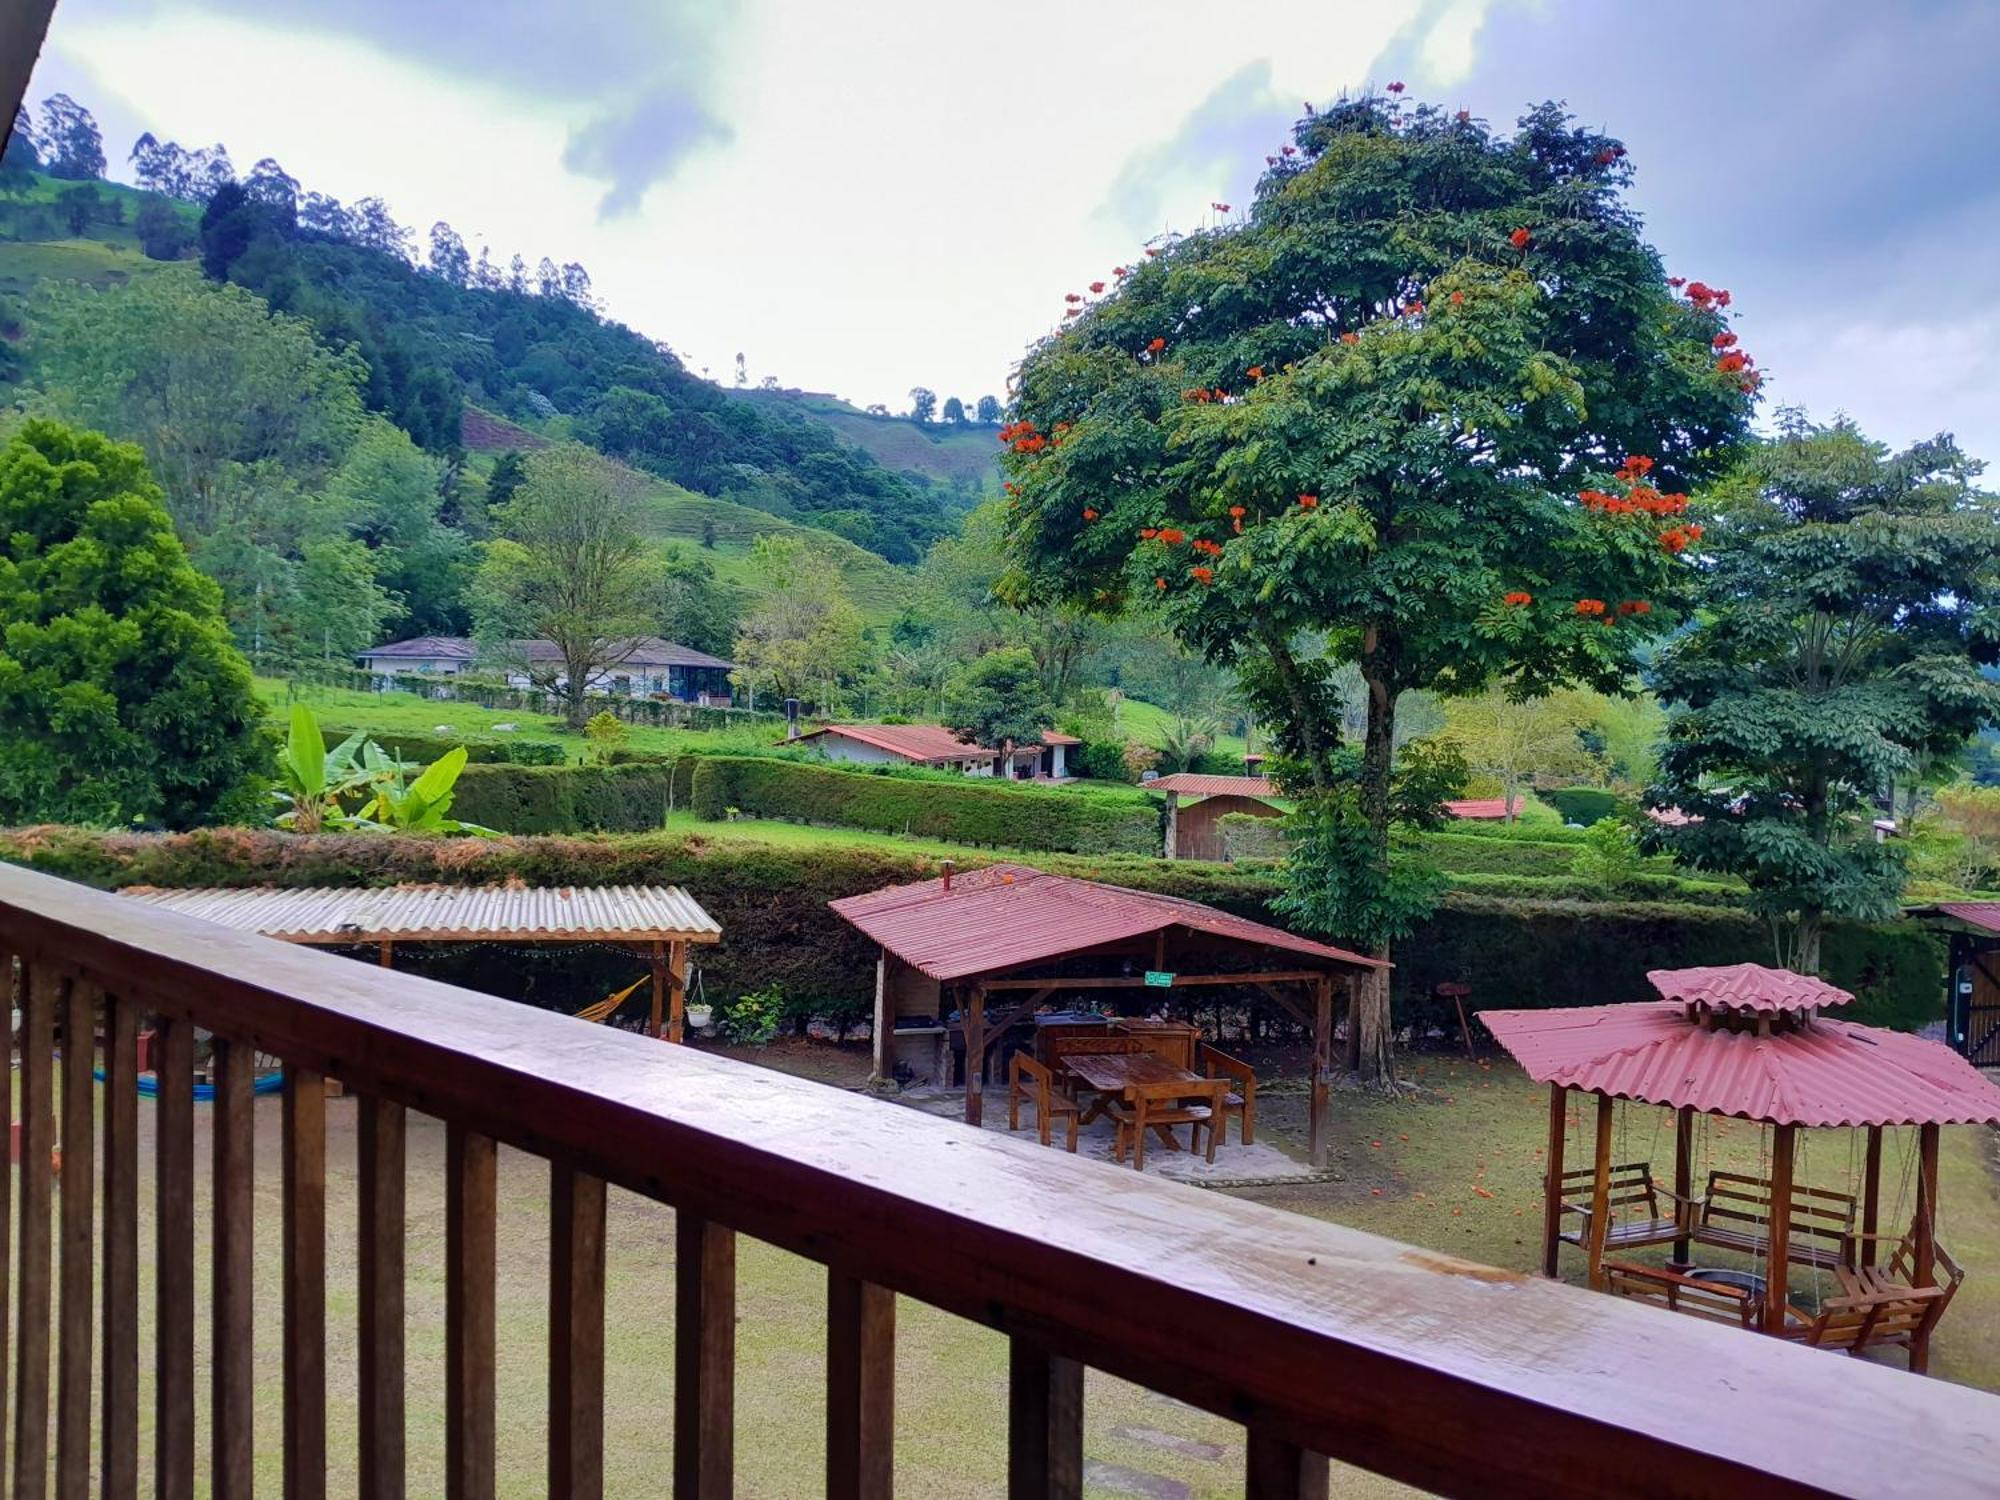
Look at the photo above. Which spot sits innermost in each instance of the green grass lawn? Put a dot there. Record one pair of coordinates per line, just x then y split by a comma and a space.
1148, 723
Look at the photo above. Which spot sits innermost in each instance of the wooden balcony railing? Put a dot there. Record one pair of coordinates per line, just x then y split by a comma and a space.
1319, 1340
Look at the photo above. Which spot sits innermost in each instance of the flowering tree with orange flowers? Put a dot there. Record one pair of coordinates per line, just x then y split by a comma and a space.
1434, 402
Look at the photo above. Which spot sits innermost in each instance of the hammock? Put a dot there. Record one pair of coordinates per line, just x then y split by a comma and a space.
204, 1093
602, 1009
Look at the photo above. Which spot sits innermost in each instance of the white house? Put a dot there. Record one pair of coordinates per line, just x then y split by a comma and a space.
427, 655
652, 667
937, 747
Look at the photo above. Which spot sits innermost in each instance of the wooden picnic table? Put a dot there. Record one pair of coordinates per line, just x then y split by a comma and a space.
1116, 1075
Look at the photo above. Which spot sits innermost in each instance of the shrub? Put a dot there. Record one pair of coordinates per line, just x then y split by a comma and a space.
1587, 805
960, 809
1246, 836
1459, 853
572, 799
752, 1019
1100, 760
1610, 857
425, 748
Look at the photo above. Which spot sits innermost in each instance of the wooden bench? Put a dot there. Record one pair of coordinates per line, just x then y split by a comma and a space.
1736, 1215
1241, 1100
1683, 1294
1029, 1082
1631, 1186
1860, 1321
1894, 1278
1161, 1106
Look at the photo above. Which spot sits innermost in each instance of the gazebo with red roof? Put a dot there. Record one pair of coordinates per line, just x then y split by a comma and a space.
1755, 1043
1024, 934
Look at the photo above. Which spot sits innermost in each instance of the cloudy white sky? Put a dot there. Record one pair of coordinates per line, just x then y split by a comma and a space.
862, 197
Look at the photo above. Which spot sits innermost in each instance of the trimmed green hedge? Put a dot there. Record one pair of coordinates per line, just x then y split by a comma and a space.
771, 903
1585, 804
1479, 854
572, 799
425, 748
960, 809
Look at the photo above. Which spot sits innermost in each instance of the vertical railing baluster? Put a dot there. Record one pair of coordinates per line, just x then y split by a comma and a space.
173, 1285
121, 1248
576, 1334
16, 988
232, 1386
860, 1389
1044, 1424
305, 1284
704, 1359
380, 1154
470, 1189
79, 1249
31, 1382
1277, 1470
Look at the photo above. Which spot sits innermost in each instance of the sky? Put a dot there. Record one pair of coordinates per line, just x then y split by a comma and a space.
861, 198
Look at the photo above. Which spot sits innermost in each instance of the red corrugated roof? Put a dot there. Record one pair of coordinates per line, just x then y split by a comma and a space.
1004, 916
1482, 809
913, 741
1750, 987
1981, 914
1189, 784
1828, 1073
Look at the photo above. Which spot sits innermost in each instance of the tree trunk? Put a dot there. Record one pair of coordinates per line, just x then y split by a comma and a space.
1805, 949
575, 710
1376, 1063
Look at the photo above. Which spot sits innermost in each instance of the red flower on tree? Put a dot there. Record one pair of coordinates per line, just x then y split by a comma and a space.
1072, 296
1173, 536
1519, 239
1457, 298
1396, 88
1159, 583
1517, 599
1723, 340
1590, 606
1350, 337
1147, 533
1256, 372
1097, 286
1089, 514
1156, 346
1308, 502
1202, 575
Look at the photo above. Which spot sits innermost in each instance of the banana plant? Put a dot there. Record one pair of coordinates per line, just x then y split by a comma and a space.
314, 779
398, 804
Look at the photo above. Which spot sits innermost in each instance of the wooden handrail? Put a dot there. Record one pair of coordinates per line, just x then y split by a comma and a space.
1454, 1376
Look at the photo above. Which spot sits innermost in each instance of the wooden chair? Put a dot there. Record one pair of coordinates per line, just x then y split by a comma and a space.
1736, 1215
1897, 1277
1632, 1186
1029, 1081
1173, 1042
1162, 1106
1241, 1100
1865, 1320
1682, 1294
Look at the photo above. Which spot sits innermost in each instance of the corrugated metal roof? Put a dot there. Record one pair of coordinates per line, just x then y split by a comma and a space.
1191, 784
448, 913
1004, 916
1828, 1073
925, 742
1751, 987
1984, 915
1479, 809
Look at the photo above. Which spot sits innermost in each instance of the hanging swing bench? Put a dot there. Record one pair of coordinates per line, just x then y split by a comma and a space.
1755, 1044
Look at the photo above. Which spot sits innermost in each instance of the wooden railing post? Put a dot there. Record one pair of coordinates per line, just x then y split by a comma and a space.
860, 1389
1276, 1470
16, 988
79, 1244
121, 1247
305, 1284
576, 1334
704, 1359
173, 1287
1044, 1424
233, 1372
470, 1250
379, 1153
31, 1347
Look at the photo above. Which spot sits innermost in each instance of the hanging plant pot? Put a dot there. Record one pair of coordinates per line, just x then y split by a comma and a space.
699, 1016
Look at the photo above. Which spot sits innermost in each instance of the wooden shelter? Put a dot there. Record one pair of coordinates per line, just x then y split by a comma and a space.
1754, 1043
1194, 830
1972, 972
1016, 937
655, 922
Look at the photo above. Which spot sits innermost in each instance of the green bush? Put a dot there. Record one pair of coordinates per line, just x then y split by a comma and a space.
1585, 805
1459, 853
959, 809
752, 1019
425, 748
777, 931
572, 799
1100, 760
1531, 833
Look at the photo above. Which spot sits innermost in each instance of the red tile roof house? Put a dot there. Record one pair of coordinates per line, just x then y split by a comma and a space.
937, 747
653, 666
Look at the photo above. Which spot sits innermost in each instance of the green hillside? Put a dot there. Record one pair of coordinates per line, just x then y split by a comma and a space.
960, 455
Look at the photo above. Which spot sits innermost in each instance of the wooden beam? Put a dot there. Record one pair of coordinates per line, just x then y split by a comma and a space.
1552, 1181
233, 1371
975, 1053
1683, 1175
1600, 1192
576, 1334
304, 1279
23, 27
860, 1389
381, 1131
677, 988
1277, 1470
1322, 1070
704, 1359
884, 1068
1044, 1424
1778, 1261
1871, 1196
1138, 982
1924, 1237
120, 1383
656, 958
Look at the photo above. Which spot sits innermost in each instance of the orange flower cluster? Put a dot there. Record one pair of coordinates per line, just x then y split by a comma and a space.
1706, 297
1213, 549
1173, 536
1678, 538
1022, 437
1308, 502
1413, 309
1151, 251
1072, 296
1199, 395
1350, 337
1636, 607
1221, 208
1520, 239
1097, 286
1236, 519
1517, 599
1159, 583
1121, 272
1089, 514
1202, 575
1156, 346
1457, 298
1256, 372
1590, 607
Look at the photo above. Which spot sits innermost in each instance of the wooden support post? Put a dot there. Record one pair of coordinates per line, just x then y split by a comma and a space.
38, 1129
1923, 1239
1322, 1069
173, 1291
1683, 1178
470, 1200
14, 987
1277, 1470
1173, 823
1778, 1267
79, 1244
704, 1359
1552, 1181
860, 1389
1353, 1044
304, 1280
385, 954
677, 984
381, 1132
233, 1376
656, 1022
1871, 1196
1600, 1192
884, 1065
1044, 1424
975, 1053
576, 1334
120, 1394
